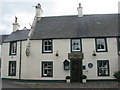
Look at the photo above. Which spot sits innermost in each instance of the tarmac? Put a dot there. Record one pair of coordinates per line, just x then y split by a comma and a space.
90, 84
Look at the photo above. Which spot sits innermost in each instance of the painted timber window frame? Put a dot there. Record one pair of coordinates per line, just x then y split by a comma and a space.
76, 45
47, 46
118, 45
12, 68
103, 67
13, 48
47, 69
101, 45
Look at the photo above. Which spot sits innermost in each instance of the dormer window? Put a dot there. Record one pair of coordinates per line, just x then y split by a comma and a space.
76, 45
47, 46
101, 45
13, 48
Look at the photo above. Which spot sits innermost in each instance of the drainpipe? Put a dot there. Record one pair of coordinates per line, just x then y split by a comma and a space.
20, 60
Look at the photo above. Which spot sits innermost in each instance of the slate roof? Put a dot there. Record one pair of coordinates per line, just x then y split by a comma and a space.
60, 27
2, 38
18, 35
97, 25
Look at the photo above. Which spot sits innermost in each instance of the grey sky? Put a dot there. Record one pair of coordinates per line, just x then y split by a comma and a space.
24, 10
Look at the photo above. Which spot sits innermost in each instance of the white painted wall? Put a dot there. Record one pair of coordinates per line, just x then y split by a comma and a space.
31, 66
6, 58
111, 55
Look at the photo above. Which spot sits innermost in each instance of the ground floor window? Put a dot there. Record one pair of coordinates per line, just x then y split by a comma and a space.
47, 69
103, 67
12, 68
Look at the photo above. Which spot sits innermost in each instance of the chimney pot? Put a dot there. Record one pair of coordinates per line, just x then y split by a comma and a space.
15, 25
38, 11
79, 9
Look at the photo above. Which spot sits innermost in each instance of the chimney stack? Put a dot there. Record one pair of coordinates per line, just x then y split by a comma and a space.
15, 25
79, 9
38, 11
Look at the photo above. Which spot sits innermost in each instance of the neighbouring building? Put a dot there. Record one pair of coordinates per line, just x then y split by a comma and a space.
60, 46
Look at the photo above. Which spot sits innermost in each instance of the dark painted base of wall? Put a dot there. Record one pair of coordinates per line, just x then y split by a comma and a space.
25, 80
102, 80
55, 81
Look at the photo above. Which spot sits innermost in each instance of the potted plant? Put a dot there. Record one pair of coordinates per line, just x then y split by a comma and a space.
117, 75
84, 78
67, 79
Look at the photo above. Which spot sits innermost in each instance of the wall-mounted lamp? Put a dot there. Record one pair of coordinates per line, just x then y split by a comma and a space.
66, 65
57, 54
94, 54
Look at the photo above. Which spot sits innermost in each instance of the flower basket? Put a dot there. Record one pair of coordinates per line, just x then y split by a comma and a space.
67, 79
84, 78
117, 75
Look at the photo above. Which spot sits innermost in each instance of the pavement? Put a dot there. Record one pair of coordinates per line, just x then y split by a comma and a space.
90, 84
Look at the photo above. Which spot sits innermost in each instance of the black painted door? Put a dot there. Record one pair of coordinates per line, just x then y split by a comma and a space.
76, 70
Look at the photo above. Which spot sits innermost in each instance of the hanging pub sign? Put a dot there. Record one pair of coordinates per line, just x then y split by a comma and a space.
75, 55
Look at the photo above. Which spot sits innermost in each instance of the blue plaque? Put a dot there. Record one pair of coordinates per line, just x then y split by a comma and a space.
90, 65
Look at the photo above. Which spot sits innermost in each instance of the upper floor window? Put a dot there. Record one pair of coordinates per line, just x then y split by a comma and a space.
76, 45
103, 68
101, 45
13, 48
47, 46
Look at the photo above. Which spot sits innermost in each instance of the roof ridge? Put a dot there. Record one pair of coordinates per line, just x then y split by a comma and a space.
77, 15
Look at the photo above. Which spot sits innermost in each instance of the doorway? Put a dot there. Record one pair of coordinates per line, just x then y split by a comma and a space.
76, 70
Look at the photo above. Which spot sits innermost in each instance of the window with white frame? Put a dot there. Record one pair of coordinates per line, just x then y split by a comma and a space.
103, 68
101, 45
13, 48
12, 68
47, 69
76, 45
47, 46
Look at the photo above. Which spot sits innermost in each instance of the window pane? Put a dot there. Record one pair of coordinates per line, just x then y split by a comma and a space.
47, 46
47, 69
13, 48
49, 42
76, 45
12, 68
101, 44
45, 42
103, 68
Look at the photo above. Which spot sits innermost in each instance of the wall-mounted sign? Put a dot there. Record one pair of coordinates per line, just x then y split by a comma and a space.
90, 65
75, 55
